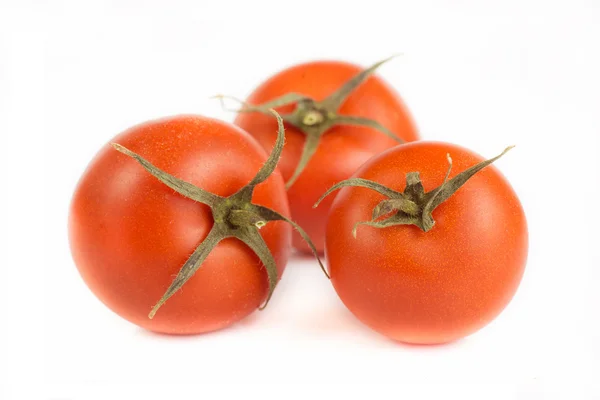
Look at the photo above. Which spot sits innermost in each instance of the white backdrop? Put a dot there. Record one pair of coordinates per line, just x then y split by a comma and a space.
483, 74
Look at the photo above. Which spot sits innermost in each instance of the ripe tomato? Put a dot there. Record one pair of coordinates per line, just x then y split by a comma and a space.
435, 286
342, 148
130, 234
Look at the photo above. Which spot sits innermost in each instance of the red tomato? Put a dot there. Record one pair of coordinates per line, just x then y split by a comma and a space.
130, 234
342, 149
436, 286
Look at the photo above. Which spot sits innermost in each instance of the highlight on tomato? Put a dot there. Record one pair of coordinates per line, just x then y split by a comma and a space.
184, 229
337, 116
422, 254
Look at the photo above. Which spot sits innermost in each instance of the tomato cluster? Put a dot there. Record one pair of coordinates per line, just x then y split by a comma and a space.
183, 225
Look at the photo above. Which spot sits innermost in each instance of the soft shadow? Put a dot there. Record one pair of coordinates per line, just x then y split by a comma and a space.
245, 322
302, 256
333, 319
429, 347
337, 320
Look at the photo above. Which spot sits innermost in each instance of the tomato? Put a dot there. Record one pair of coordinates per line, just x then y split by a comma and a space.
341, 148
435, 286
130, 234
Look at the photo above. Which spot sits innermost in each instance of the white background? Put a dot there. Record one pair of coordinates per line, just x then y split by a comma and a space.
484, 74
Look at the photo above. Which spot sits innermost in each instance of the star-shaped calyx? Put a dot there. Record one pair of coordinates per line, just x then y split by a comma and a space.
234, 217
413, 206
314, 118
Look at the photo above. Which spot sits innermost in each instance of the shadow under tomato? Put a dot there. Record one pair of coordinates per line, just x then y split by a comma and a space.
247, 321
337, 320
430, 346
304, 256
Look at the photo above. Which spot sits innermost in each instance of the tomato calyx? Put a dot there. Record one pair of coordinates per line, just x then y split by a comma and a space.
414, 206
234, 217
314, 118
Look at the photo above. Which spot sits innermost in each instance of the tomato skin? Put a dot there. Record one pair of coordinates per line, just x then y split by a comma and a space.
436, 286
342, 148
130, 234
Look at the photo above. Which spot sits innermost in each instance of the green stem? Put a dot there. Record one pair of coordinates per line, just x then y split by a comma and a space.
234, 216
413, 206
314, 118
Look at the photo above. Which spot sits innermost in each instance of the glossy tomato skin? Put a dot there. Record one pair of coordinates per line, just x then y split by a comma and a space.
342, 149
436, 286
130, 234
